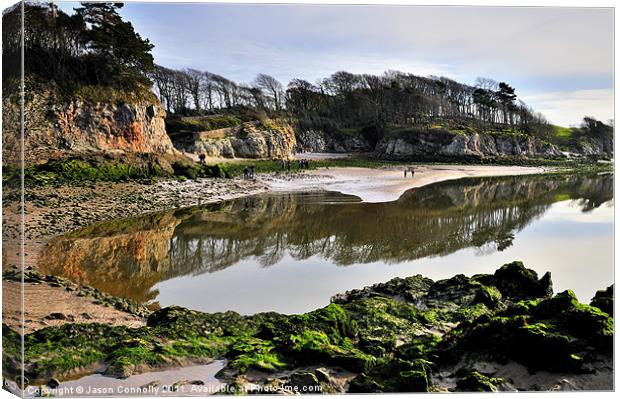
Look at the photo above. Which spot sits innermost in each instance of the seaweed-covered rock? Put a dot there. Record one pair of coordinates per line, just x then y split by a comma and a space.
516, 281
303, 381
394, 375
460, 291
382, 338
474, 381
604, 300
555, 334
412, 289
580, 320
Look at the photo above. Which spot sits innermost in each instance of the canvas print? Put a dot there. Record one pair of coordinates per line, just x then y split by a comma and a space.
204, 198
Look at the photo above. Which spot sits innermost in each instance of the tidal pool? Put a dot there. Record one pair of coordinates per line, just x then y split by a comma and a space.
290, 252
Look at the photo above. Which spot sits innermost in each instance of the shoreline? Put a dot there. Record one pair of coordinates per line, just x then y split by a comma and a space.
388, 183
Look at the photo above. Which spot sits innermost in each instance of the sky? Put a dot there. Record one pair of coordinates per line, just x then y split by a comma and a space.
559, 59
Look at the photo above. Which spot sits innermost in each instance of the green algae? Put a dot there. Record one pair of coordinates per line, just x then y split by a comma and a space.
393, 375
392, 335
604, 300
475, 381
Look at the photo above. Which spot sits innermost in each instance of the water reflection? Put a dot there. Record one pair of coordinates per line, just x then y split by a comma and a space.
129, 257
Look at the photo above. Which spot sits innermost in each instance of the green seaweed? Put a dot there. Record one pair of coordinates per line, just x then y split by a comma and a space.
391, 335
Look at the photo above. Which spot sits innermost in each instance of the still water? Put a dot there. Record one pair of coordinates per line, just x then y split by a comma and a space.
290, 252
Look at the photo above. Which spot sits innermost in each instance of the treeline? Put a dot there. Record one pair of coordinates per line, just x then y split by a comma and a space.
93, 46
592, 127
96, 48
344, 100
191, 92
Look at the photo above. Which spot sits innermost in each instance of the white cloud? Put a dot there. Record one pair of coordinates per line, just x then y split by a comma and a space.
569, 107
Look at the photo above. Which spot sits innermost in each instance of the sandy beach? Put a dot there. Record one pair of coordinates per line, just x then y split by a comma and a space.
388, 184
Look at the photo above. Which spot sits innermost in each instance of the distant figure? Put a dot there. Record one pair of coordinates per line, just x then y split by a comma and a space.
410, 169
288, 165
282, 164
246, 173
405, 172
202, 158
252, 172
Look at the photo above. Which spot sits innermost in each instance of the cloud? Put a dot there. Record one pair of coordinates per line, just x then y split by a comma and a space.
564, 52
567, 108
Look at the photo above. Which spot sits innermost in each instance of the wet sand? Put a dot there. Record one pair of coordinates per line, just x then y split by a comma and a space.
388, 184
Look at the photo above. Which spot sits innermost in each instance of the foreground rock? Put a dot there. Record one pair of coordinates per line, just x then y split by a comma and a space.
504, 331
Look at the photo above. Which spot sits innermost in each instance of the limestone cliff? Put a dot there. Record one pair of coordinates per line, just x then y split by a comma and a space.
319, 141
466, 144
594, 146
249, 140
56, 127
439, 142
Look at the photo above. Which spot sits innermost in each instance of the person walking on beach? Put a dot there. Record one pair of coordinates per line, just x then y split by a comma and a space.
410, 169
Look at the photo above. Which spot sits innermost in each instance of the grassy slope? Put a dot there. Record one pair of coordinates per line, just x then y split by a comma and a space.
563, 135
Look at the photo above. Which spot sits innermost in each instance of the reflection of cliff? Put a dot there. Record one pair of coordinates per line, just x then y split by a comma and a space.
124, 258
127, 258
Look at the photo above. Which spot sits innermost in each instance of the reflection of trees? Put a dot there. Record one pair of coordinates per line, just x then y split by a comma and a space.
595, 192
433, 220
128, 257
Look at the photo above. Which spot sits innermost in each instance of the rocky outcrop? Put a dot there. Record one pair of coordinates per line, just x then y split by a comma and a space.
111, 127
57, 127
445, 143
319, 141
408, 334
249, 140
591, 146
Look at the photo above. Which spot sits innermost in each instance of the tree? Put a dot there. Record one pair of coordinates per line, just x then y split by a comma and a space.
120, 51
193, 79
593, 127
272, 87
506, 97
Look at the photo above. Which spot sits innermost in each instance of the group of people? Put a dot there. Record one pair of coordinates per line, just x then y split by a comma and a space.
410, 170
286, 165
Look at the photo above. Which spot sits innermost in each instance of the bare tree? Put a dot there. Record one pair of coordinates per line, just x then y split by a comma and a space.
273, 89
193, 80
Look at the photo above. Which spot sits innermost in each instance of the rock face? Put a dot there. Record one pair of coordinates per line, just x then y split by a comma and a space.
249, 140
593, 146
319, 141
451, 144
470, 144
54, 126
112, 127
